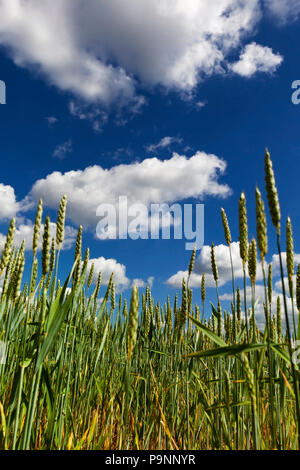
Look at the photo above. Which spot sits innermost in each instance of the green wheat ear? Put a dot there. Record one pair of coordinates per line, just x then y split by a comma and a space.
125, 311
298, 289
252, 256
37, 227
278, 322
77, 256
113, 296
214, 266
19, 269
46, 247
272, 193
270, 283
60, 224
52, 255
238, 304
203, 290
133, 322
192, 262
243, 228
85, 262
226, 227
33, 277
8, 245
90, 278
290, 254
261, 225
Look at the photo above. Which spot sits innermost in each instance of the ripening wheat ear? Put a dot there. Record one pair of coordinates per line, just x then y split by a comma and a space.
278, 322
238, 305
203, 290
252, 261
37, 227
125, 311
298, 289
270, 283
243, 228
192, 262
19, 272
90, 278
226, 227
52, 255
133, 322
77, 256
97, 289
290, 254
60, 224
7, 247
261, 226
46, 247
290, 264
113, 296
272, 193
85, 261
181, 317
214, 266
33, 277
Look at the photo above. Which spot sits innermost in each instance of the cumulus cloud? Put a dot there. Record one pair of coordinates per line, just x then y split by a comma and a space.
165, 142
47, 36
256, 58
149, 181
100, 51
283, 10
107, 266
203, 265
24, 232
9, 205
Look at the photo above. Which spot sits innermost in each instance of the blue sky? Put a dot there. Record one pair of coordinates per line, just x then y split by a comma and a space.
97, 86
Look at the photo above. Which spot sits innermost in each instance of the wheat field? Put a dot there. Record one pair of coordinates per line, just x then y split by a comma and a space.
85, 373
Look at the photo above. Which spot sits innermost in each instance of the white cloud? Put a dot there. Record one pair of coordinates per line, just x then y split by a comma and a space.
203, 265
165, 142
9, 206
283, 10
46, 35
141, 283
150, 181
106, 267
276, 262
62, 150
51, 120
99, 51
260, 299
24, 232
201, 104
256, 58
94, 114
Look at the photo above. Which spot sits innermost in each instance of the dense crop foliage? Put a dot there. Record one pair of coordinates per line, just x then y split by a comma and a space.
85, 373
